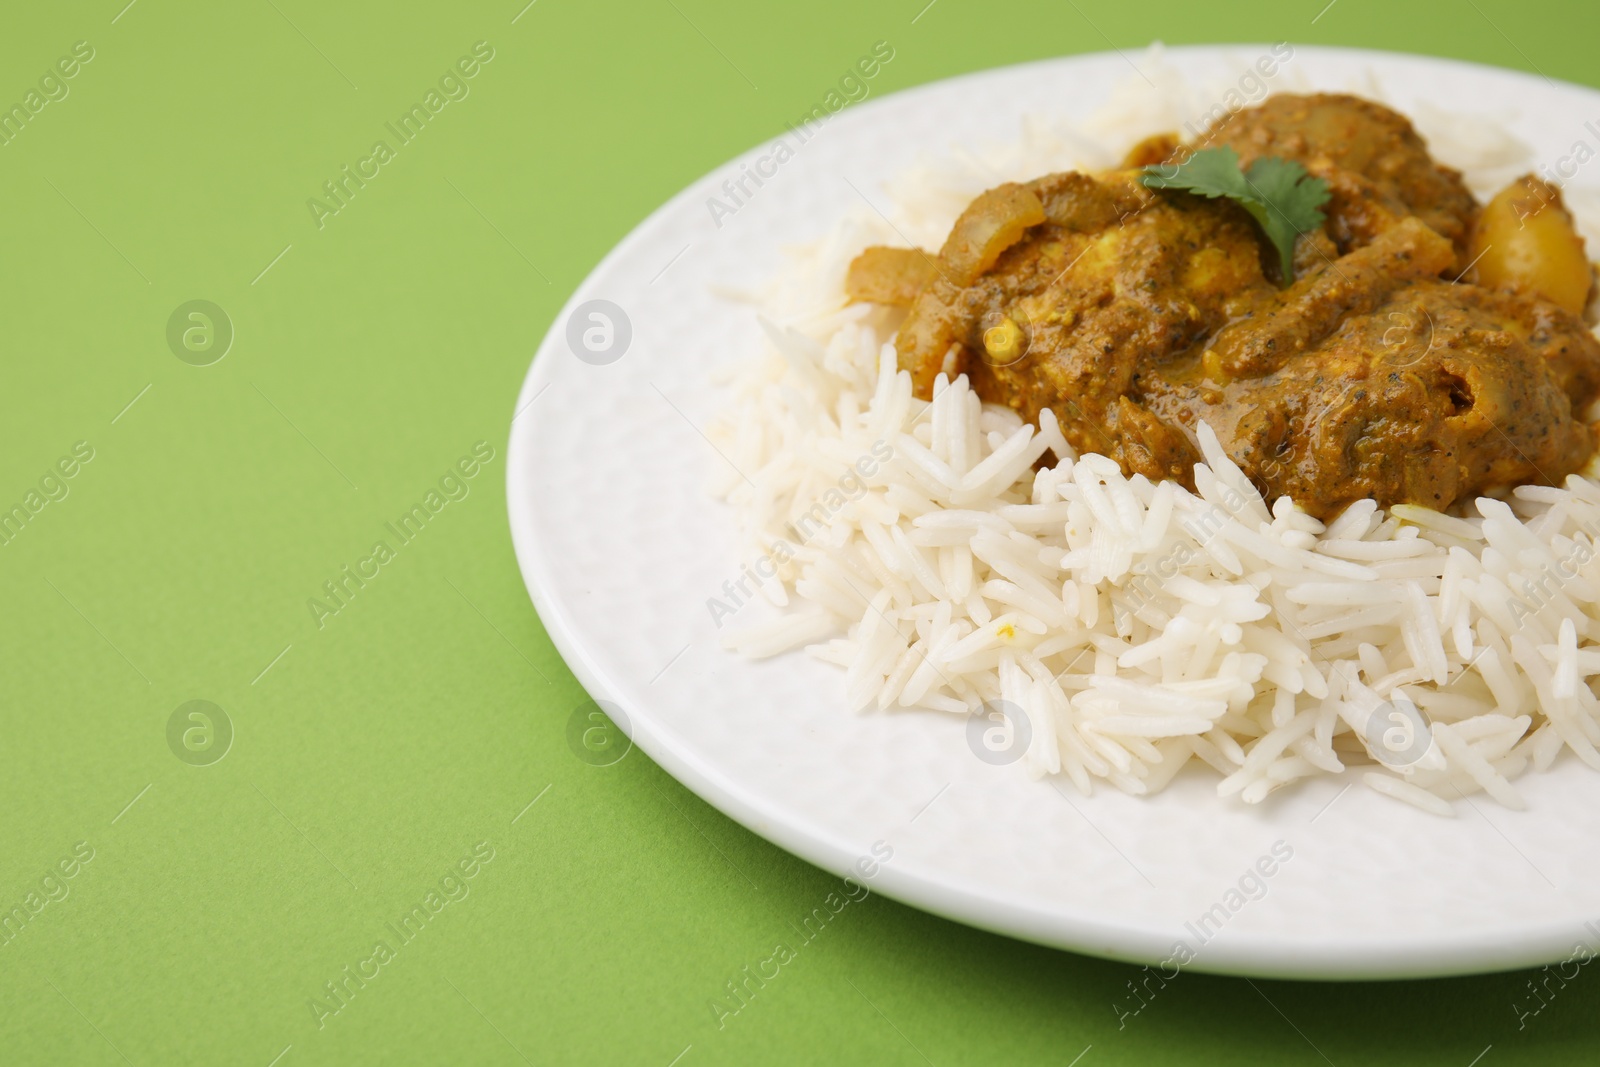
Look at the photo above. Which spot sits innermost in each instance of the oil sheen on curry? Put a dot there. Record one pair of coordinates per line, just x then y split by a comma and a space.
1428, 349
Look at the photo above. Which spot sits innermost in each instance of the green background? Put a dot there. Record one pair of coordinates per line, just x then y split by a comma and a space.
377, 751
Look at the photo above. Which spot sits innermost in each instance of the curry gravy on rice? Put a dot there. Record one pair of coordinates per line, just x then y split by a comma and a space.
1429, 349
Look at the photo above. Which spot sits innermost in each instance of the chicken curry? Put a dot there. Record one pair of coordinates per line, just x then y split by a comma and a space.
1427, 348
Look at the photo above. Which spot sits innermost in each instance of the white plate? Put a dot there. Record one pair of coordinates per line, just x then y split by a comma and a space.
621, 550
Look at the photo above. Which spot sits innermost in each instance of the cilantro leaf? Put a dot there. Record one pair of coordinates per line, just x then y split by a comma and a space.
1283, 199
1211, 172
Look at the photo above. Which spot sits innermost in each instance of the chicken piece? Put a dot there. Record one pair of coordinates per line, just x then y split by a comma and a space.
1330, 132
1073, 313
1287, 323
1432, 393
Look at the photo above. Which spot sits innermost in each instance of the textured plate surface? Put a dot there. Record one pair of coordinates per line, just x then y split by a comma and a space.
621, 549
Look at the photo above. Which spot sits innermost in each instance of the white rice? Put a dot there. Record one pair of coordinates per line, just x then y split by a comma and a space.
1140, 626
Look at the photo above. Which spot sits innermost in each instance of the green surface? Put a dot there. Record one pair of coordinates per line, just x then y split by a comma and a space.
416, 724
